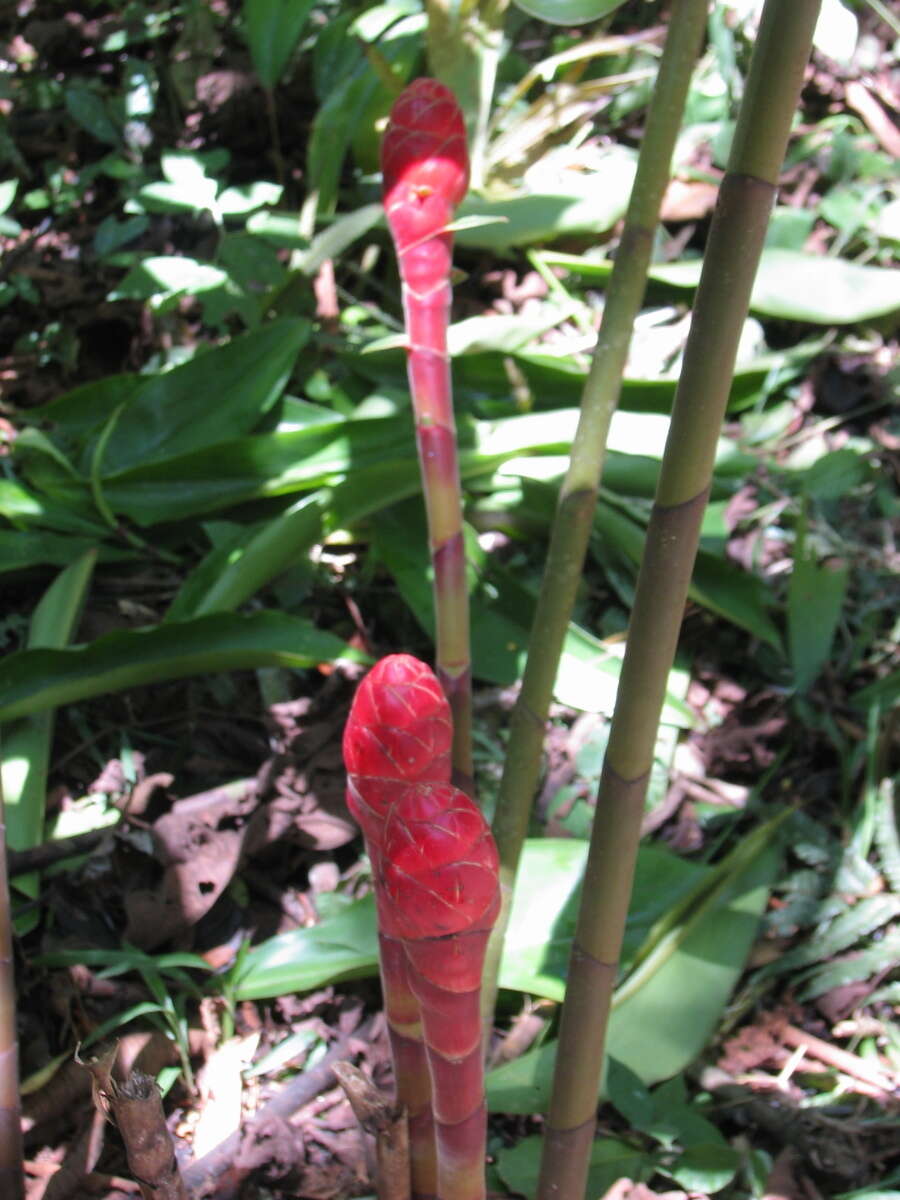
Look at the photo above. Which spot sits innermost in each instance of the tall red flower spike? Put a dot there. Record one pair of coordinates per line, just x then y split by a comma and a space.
425, 167
436, 880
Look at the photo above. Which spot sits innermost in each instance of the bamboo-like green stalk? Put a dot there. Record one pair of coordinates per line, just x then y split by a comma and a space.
578, 495
732, 257
11, 1177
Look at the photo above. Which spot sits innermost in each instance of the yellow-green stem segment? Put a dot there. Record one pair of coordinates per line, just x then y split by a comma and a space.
732, 256
578, 495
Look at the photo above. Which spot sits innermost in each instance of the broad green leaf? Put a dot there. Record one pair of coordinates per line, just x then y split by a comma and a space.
89, 111
112, 235
789, 284
705, 1167
519, 1165
502, 612
339, 235
36, 549
716, 583
555, 381
35, 680
815, 598
542, 920
568, 12
88, 407
807, 287
8, 189
273, 30
167, 275
215, 396
220, 476
248, 197
593, 204
236, 571
538, 941
352, 93
505, 334
835, 474
666, 1008
345, 946
25, 744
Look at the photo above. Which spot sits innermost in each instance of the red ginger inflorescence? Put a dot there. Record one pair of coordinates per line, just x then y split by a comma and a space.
436, 878
425, 168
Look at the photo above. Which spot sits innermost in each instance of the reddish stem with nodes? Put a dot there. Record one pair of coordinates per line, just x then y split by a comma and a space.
425, 166
436, 880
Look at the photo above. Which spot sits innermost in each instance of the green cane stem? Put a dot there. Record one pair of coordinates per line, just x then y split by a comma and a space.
723, 297
578, 495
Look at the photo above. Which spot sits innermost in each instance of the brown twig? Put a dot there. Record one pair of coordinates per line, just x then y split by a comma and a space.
386, 1123
45, 855
137, 1107
201, 1176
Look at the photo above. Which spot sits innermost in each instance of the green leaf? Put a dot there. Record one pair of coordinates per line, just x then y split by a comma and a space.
538, 941
789, 284
542, 921
815, 598
30, 549
34, 680
352, 88
502, 612
90, 112
273, 30
220, 476
835, 474
704, 1168
76, 413
345, 946
878, 959
25, 744
519, 1166
807, 287
167, 275
217, 395
593, 204
236, 571
666, 1008
248, 197
568, 12
715, 583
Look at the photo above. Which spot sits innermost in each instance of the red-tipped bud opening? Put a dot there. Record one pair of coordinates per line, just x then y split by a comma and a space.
399, 726
425, 166
439, 864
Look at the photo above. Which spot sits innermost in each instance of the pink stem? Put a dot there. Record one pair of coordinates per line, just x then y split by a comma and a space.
425, 168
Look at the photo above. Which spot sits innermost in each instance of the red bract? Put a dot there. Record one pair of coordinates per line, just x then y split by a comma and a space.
399, 725
424, 162
436, 880
398, 731
439, 865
